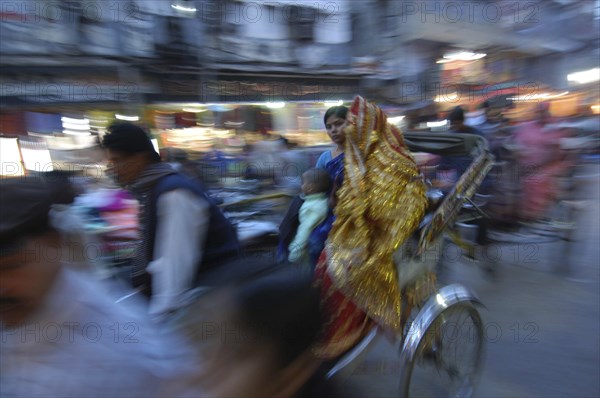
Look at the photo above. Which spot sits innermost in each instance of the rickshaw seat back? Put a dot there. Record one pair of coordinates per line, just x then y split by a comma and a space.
420, 253
411, 265
447, 211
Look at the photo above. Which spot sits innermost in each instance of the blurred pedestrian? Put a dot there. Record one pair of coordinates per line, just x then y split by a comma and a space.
265, 160
452, 167
541, 161
294, 163
262, 332
184, 233
62, 336
488, 121
457, 122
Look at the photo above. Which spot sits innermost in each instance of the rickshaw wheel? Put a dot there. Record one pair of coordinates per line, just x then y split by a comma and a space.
445, 356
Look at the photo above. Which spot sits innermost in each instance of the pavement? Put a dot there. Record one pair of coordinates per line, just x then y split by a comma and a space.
542, 321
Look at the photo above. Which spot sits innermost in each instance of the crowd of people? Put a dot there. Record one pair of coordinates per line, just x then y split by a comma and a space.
266, 333
530, 154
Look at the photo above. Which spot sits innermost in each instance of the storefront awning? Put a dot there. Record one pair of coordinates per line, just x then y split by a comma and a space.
235, 87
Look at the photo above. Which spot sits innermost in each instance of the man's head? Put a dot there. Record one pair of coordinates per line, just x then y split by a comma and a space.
130, 151
315, 181
457, 118
542, 113
30, 248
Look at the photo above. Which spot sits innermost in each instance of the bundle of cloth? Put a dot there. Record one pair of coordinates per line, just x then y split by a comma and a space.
380, 204
112, 216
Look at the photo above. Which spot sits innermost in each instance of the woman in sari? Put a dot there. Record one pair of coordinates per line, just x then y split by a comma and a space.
333, 162
379, 205
541, 162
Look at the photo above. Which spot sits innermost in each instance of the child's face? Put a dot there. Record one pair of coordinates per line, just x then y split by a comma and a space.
308, 187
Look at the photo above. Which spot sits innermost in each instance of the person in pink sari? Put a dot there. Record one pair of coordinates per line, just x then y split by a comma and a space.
541, 162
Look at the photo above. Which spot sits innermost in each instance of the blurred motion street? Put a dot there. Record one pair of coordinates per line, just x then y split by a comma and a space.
253, 190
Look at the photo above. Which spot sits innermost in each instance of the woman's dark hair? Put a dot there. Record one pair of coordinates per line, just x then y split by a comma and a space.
282, 307
339, 111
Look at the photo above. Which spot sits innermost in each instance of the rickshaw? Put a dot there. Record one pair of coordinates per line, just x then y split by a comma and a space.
443, 336
557, 223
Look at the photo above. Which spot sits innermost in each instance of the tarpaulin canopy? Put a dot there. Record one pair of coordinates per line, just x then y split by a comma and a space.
453, 144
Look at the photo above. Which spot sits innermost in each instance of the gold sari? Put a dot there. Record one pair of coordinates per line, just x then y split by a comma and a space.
381, 202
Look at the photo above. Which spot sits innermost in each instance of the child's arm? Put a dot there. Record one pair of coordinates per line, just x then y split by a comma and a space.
308, 222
